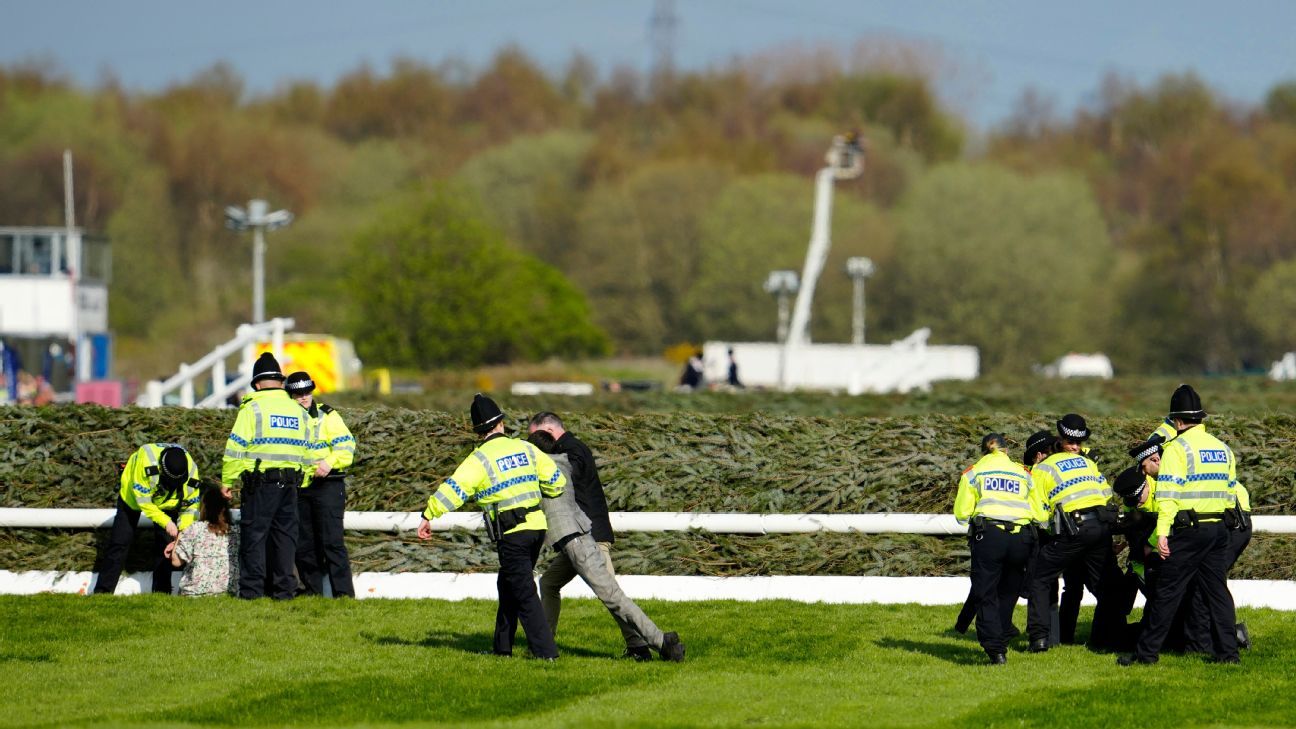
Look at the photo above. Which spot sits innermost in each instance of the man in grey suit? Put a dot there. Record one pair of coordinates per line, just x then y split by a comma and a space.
569, 536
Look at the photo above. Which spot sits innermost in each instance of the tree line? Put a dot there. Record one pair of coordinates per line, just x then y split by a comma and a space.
450, 216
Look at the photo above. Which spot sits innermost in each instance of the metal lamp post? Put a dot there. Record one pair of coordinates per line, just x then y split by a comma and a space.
782, 284
858, 268
259, 219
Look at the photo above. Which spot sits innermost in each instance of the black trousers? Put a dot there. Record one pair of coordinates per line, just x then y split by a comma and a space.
124, 525
998, 569
320, 543
518, 598
1069, 604
1197, 554
1091, 548
1195, 612
269, 515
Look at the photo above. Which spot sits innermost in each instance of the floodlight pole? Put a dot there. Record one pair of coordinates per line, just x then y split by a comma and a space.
858, 268
258, 218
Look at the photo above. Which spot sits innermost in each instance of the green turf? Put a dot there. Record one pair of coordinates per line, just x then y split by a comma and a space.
157, 661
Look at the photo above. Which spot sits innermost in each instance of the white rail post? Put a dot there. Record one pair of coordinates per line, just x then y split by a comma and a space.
186, 386
218, 375
154, 394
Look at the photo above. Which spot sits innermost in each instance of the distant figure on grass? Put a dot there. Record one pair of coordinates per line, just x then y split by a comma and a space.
208, 550
691, 377
569, 536
160, 481
507, 478
733, 371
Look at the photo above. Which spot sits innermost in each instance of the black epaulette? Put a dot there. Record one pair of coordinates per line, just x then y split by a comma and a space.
326, 409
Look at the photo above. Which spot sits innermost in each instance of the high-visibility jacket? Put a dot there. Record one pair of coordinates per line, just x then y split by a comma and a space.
1069, 481
142, 490
332, 440
503, 473
1197, 472
1243, 497
1166, 430
999, 488
270, 427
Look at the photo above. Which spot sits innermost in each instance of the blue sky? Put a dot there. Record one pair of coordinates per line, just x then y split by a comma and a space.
992, 50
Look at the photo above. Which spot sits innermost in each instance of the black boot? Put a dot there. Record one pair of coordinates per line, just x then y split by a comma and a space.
998, 659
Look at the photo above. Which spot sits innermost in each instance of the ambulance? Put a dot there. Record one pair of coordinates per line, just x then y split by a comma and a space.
331, 361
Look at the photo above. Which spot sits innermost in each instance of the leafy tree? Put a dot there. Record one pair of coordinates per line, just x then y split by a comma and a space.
532, 187
638, 251
432, 286
1271, 307
1013, 265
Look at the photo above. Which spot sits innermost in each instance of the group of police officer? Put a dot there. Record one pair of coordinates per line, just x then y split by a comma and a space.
287, 457
1183, 513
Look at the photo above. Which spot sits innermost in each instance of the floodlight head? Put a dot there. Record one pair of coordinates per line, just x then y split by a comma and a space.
235, 218
277, 219
859, 267
782, 282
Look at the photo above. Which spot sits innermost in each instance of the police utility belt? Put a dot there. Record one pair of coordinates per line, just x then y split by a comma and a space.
1068, 523
1234, 519
277, 477
978, 525
498, 523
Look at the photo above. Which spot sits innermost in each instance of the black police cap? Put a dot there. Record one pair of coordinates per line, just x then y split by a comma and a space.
484, 413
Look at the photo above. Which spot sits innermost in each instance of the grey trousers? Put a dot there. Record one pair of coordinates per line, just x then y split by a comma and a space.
593, 562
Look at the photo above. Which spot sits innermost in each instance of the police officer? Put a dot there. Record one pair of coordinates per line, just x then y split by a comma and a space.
321, 503
160, 481
1075, 497
507, 478
996, 498
1038, 447
265, 453
1195, 487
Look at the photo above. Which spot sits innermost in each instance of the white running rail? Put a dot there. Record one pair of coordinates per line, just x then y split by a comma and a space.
625, 521
244, 341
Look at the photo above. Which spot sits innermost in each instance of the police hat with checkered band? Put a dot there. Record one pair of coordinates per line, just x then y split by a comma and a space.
1147, 449
299, 384
1073, 427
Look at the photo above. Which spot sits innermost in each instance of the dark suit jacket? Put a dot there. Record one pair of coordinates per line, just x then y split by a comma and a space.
589, 489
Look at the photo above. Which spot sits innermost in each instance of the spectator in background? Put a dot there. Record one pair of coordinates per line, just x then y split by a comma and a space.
733, 371
692, 375
208, 550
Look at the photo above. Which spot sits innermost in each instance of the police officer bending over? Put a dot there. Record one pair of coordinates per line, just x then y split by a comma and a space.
321, 504
159, 481
1075, 498
507, 478
1196, 487
995, 496
264, 456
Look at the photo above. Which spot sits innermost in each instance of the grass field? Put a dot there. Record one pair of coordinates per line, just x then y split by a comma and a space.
157, 661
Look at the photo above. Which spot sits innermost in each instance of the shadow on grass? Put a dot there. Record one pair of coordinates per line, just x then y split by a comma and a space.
21, 658
475, 643
957, 654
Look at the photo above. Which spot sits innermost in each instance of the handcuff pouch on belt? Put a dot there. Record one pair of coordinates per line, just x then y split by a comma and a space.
1063, 524
1184, 519
499, 523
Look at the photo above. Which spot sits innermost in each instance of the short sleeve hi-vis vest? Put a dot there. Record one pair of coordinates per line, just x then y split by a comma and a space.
270, 427
141, 488
997, 488
503, 473
1197, 472
1069, 481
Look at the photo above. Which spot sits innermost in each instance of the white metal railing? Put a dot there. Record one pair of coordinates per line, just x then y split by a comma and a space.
244, 341
626, 521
